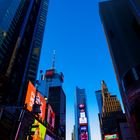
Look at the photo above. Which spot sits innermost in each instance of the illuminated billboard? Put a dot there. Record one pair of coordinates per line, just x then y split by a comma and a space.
81, 106
48, 138
51, 116
83, 121
39, 132
84, 136
40, 100
50, 73
83, 128
111, 137
30, 96
82, 114
30, 100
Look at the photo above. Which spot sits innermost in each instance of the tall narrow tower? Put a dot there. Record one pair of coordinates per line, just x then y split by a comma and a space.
82, 128
51, 87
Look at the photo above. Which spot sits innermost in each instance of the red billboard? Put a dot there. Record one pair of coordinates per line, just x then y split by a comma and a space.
84, 136
40, 100
30, 100
51, 116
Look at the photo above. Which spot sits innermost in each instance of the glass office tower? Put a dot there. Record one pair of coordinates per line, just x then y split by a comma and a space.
51, 87
23, 42
82, 126
121, 22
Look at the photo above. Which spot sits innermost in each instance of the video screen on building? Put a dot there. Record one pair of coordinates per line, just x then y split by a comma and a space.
39, 132
111, 137
48, 137
84, 136
83, 121
30, 96
51, 116
30, 100
83, 128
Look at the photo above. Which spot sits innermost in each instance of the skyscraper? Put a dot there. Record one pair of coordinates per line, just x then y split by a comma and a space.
109, 111
11, 19
24, 27
82, 128
121, 21
51, 87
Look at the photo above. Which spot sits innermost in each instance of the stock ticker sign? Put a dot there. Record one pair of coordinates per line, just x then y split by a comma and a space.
30, 100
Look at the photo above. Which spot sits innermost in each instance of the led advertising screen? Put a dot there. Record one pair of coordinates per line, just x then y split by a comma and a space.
111, 137
48, 138
81, 106
41, 100
83, 128
51, 116
82, 114
39, 132
84, 136
30, 96
49, 73
83, 121
30, 99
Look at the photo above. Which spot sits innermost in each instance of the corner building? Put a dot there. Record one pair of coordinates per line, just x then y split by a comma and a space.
82, 127
121, 22
109, 112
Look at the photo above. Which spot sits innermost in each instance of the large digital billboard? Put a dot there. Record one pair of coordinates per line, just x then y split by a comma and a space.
39, 132
83, 121
111, 137
30, 96
51, 116
30, 100
84, 136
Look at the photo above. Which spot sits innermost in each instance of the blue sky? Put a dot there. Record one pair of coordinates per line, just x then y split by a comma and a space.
75, 31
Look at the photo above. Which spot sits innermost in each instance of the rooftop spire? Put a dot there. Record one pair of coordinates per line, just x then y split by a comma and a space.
104, 87
53, 59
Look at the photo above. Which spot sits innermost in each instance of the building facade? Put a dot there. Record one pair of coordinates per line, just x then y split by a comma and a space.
22, 30
82, 128
109, 112
122, 28
51, 87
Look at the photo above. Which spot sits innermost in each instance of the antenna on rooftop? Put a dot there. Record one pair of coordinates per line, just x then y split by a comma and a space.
53, 59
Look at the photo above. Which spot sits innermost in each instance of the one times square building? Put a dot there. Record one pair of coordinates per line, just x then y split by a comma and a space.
121, 22
82, 128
